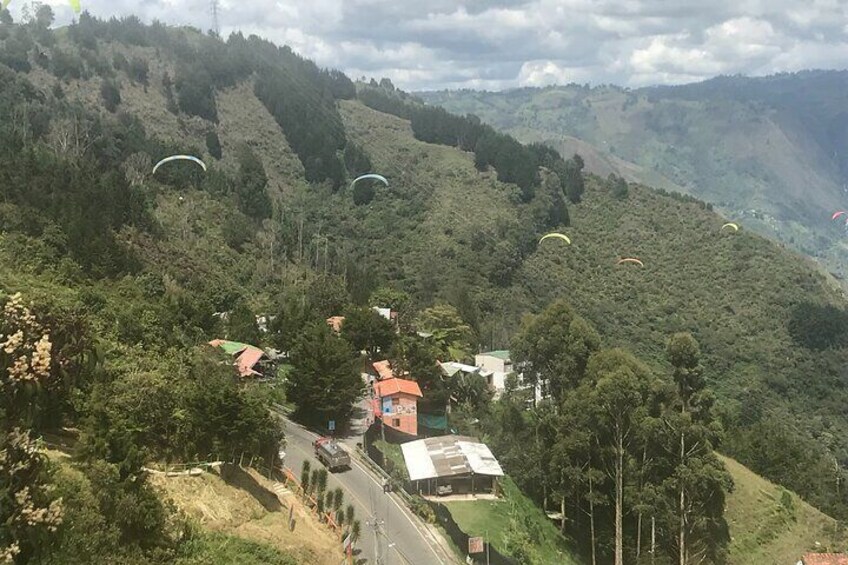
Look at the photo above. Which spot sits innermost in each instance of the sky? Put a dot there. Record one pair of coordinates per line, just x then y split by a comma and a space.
500, 44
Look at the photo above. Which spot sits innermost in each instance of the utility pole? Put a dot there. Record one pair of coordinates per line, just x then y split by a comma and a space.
376, 524
215, 27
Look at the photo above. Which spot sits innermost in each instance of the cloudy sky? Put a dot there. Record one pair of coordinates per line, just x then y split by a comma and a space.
496, 44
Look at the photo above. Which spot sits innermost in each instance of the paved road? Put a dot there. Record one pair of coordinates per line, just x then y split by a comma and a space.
401, 538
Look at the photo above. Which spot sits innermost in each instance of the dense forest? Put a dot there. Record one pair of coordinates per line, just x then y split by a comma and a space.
113, 280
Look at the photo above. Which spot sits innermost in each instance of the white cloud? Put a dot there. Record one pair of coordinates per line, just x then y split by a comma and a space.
505, 43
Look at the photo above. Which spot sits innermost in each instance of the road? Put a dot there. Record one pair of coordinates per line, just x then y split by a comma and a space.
401, 538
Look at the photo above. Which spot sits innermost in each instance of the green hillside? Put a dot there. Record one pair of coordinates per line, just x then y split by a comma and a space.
771, 525
129, 270
766, 151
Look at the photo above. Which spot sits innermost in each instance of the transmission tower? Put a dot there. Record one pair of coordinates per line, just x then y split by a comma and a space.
215, 26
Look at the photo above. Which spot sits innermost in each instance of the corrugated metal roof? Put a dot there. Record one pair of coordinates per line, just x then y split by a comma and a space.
451, 368
448, 456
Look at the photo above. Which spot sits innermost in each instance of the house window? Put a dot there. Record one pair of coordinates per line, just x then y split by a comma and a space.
395, 402
396, 422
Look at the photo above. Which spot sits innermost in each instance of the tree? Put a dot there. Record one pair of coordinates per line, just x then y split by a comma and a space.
213, 144
111, 95
368, 331
28, 512
618, 186
574, 183
397, 300
363, 193
622, 388
699, 477
44, 16
416, 357
241, 324
451, 333
325, 382
554, 349
251, 185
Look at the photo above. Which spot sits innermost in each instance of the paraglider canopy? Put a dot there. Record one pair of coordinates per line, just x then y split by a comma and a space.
373, 176
178, 158
631, 260
75, 5
730, 225
557, 236
837, 214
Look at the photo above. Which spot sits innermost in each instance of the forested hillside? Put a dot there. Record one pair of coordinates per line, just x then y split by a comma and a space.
129, 273
770, 152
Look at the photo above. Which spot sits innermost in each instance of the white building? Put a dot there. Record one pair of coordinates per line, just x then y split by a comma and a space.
494, 366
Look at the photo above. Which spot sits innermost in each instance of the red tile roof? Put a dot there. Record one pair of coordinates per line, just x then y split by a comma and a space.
384, 369
248, 359
825, 559
335, 322
392, 386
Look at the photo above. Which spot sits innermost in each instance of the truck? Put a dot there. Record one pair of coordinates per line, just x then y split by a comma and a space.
331, 454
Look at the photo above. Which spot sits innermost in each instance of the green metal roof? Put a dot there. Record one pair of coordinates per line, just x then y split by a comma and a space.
232, 347
500, 354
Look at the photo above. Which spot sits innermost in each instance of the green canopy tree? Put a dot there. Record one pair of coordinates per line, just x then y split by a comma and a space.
699, 480
417, 357
325, 382
622, 387
452, 335
554, 348
367, 331
241, 324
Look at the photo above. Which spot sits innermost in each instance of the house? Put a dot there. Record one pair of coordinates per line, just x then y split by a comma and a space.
388, 314
250, 361
451, 464
335, 322
495, 366
824, 559
395, 403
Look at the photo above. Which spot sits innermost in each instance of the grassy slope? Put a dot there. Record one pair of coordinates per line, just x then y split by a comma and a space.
225, 508
737, 155
491, 519
765, 531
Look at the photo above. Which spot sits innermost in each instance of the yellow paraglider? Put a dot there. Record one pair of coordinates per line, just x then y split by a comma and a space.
730, 225
631, 260
557, 236
75, 5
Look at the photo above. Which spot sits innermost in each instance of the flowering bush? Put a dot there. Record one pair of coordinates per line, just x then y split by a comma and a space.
28, 512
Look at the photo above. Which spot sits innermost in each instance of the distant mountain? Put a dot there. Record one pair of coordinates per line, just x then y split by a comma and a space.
770, 152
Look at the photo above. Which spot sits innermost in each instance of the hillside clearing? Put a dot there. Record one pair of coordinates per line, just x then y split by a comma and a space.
770, 525
222, 507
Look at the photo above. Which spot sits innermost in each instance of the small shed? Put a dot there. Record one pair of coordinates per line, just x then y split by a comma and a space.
459, 462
